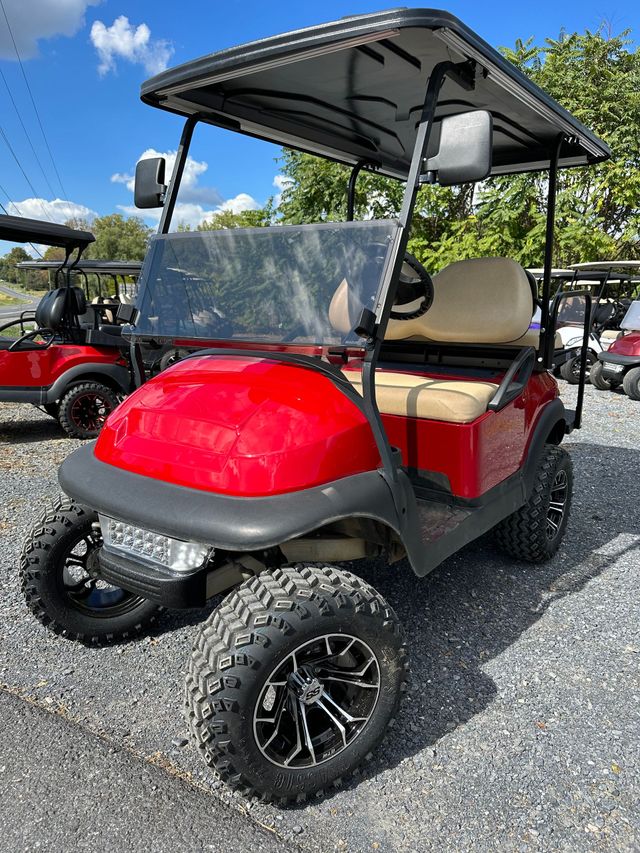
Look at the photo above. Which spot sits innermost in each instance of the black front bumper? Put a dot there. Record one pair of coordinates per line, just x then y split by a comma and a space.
155, 583
616, 358
226, 522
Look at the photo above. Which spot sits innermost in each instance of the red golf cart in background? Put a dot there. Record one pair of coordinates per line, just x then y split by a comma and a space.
620, 364
351, 405
67, 356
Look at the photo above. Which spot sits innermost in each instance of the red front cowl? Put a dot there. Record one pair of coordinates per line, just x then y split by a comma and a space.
239, 426
628, 344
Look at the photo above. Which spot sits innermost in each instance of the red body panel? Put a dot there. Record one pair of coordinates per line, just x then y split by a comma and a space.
254, 427
39, 368
239, 426
479, 455
627, 345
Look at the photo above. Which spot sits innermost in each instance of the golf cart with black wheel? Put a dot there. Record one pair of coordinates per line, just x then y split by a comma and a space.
64, 356
354, 410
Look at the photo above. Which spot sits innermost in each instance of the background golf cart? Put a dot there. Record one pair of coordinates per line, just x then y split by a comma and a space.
620, 364
64, 356
348, 411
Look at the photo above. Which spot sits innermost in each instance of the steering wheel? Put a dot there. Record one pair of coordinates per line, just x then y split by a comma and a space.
414, 283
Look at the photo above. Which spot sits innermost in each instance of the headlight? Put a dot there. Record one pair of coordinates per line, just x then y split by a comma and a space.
154, 547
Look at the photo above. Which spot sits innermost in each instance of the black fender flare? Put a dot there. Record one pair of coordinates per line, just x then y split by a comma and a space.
553, 417
117, 375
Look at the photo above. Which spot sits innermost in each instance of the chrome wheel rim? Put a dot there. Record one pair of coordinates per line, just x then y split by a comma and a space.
316, 702
557, 504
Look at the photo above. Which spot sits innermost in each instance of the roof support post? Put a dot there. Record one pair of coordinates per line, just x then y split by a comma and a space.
176, 177
390, 461
548, 335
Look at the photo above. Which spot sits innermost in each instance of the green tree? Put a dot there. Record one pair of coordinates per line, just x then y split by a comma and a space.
243, 219
118, 238
596, 76
8, 271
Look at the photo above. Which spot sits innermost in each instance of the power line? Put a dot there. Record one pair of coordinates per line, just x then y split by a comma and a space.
2, 189
26, 133
26, 177
35, 109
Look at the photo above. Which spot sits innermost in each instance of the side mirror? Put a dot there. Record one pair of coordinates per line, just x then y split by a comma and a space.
149, 186
464, 152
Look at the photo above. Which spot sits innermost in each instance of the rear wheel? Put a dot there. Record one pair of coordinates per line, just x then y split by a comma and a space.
570, 370
631, 383
62, 591
597, 379
534, 532
85, 407
293, 681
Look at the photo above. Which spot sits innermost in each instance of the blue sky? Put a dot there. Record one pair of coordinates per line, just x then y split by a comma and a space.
85, 65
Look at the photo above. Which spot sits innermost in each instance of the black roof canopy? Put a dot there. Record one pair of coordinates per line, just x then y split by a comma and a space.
18, 229
353, 89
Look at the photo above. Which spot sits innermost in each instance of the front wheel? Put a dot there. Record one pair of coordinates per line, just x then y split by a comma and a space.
85, 407
631, 383
570, 370
597, 379
534, 532
62, 591
293, 681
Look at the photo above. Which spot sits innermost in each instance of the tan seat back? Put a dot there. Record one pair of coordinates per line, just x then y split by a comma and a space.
477, 301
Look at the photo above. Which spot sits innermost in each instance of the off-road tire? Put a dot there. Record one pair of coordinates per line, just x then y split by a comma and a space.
570, 370
631, 383
41, 562
523, 534
597, 379
65, 414
249, 634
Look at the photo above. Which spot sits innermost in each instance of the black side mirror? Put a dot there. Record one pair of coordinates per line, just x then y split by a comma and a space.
465, 149
150, 187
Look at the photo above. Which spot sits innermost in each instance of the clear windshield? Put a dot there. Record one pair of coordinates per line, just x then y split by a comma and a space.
303, 284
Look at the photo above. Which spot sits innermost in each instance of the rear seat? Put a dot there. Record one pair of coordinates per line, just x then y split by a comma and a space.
479, 301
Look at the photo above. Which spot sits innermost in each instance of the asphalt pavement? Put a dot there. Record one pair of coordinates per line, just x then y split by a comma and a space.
519, 732
12, 312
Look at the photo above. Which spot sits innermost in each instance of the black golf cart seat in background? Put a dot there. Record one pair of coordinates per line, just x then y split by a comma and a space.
484, 302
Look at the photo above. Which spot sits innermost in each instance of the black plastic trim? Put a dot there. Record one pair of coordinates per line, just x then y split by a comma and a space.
116, 373
616, 358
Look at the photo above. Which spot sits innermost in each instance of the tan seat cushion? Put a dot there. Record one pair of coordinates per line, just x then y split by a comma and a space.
531, 338
419, 397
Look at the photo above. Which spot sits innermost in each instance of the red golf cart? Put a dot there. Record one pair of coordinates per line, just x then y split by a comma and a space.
66, 356
355, 406
620, 364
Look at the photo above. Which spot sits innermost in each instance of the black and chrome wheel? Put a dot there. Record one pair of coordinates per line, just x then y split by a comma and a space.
534, 532
570, 370
293, 681
61, 587
85, 407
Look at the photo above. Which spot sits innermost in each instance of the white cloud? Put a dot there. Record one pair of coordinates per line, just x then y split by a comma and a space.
32, 20
190, 189
123, 40
196, 203
57, 210
280, 182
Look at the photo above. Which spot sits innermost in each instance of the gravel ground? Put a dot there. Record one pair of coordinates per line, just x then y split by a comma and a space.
520, 731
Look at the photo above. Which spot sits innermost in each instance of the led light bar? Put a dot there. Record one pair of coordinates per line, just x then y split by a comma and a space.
173, 554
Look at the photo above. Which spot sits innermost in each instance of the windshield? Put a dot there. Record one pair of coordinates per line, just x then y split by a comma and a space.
304, 284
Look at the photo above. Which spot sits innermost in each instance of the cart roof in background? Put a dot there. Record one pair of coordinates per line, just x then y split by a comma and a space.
100, 267
538, 272
632, 266
18, 229
353, 89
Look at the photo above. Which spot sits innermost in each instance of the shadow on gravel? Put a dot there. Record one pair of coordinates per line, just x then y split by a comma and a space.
30, 431
479, 602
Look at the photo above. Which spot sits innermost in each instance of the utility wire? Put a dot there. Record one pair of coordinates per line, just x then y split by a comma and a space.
35, 109
37, 251
26, 177
26, 133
